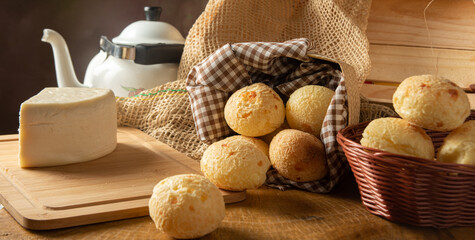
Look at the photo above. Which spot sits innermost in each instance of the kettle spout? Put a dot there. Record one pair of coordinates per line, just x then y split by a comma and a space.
62, 60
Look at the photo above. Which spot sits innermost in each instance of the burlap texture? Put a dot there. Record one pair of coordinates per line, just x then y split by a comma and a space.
163, 112
336, 28
370, 111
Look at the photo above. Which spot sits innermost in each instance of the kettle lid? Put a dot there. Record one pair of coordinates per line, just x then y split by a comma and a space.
149, 31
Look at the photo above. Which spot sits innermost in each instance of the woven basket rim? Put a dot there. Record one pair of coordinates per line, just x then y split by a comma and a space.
408, 189
385, 156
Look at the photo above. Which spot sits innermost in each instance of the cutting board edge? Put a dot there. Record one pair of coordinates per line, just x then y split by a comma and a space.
43, 219
31, 217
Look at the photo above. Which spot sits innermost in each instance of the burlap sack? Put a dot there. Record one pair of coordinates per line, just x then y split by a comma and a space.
163, 112
336, 28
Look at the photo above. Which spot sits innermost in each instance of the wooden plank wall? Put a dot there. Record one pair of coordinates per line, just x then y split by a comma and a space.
400, 45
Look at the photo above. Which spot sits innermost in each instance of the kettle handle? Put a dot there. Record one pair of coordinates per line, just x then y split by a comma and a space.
152, 13
146, 54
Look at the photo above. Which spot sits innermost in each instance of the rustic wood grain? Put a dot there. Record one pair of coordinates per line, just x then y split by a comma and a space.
113, 187
401, 22
400, 46
265, 214
272, 214
396, 63
378, 93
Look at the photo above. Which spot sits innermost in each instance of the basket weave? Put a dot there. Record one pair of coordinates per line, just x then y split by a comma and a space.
411, 190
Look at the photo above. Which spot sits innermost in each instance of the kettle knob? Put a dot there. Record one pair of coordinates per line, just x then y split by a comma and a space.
152, 13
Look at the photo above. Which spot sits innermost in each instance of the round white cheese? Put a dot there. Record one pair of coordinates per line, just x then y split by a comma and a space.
61, 126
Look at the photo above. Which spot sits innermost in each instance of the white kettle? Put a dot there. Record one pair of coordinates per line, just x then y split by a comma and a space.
146, 54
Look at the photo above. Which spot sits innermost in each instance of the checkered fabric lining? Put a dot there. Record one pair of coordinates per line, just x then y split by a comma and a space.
283, 66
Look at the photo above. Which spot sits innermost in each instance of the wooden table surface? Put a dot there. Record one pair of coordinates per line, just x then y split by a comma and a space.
266, 214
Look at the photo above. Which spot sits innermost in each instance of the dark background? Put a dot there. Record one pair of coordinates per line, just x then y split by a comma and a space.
26, 63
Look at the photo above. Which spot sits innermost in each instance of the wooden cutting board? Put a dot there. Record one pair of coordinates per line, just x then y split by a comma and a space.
113, 187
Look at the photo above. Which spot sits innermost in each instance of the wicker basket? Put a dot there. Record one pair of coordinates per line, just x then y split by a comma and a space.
411, 190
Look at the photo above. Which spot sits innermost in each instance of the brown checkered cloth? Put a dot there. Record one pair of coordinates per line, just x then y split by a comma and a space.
283, 66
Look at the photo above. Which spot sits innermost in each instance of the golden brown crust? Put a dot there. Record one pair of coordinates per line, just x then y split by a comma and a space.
398, 136
260, 144
254, 110
268, 137
235, 163
306, 108
431, 102
298, 156
459, 145
186, 206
